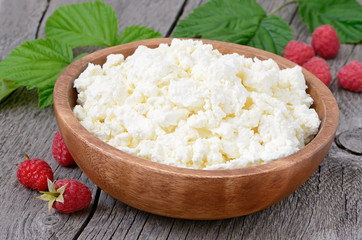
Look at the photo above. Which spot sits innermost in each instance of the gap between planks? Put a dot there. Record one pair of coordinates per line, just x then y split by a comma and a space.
91, 213
177, 18
42, 19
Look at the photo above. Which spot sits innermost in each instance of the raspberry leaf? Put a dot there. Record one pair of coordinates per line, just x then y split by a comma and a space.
7, 87
38, 63
35, 64
273, 35
84, 24
234, 21
345, 16
237, 21
135, 33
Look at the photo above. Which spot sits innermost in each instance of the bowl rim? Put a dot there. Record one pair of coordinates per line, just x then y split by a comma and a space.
63, 110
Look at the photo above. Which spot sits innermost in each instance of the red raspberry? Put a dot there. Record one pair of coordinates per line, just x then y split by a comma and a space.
33, 173
319, 67
298, 52
67, 196
60, 151
325, 41
350, 76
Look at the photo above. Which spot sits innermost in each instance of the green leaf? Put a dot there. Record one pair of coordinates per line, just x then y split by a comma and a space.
344, 15
7, 87
237, 21
135, 33
37, 64
233, 21
273, 35
84, 24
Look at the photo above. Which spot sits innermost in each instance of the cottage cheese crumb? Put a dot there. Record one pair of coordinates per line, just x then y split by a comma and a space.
187, 105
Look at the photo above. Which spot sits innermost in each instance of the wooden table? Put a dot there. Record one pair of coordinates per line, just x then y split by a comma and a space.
327, 206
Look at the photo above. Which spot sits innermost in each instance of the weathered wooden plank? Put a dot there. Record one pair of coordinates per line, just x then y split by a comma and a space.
42, 122
19, 22
350, 140
349, 102
25, 128
327, 206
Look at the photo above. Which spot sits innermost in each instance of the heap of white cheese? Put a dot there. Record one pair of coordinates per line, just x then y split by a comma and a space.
188, 105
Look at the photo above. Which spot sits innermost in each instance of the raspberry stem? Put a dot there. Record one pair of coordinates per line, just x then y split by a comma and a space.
53, 195
282, 6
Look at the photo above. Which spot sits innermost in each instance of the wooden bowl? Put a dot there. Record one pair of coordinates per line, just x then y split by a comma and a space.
188, 193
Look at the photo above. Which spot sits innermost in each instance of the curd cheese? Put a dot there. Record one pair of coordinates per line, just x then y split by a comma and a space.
187, 105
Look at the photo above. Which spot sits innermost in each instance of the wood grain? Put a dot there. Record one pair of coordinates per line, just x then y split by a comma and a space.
26, 129
327, 206
350, 141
